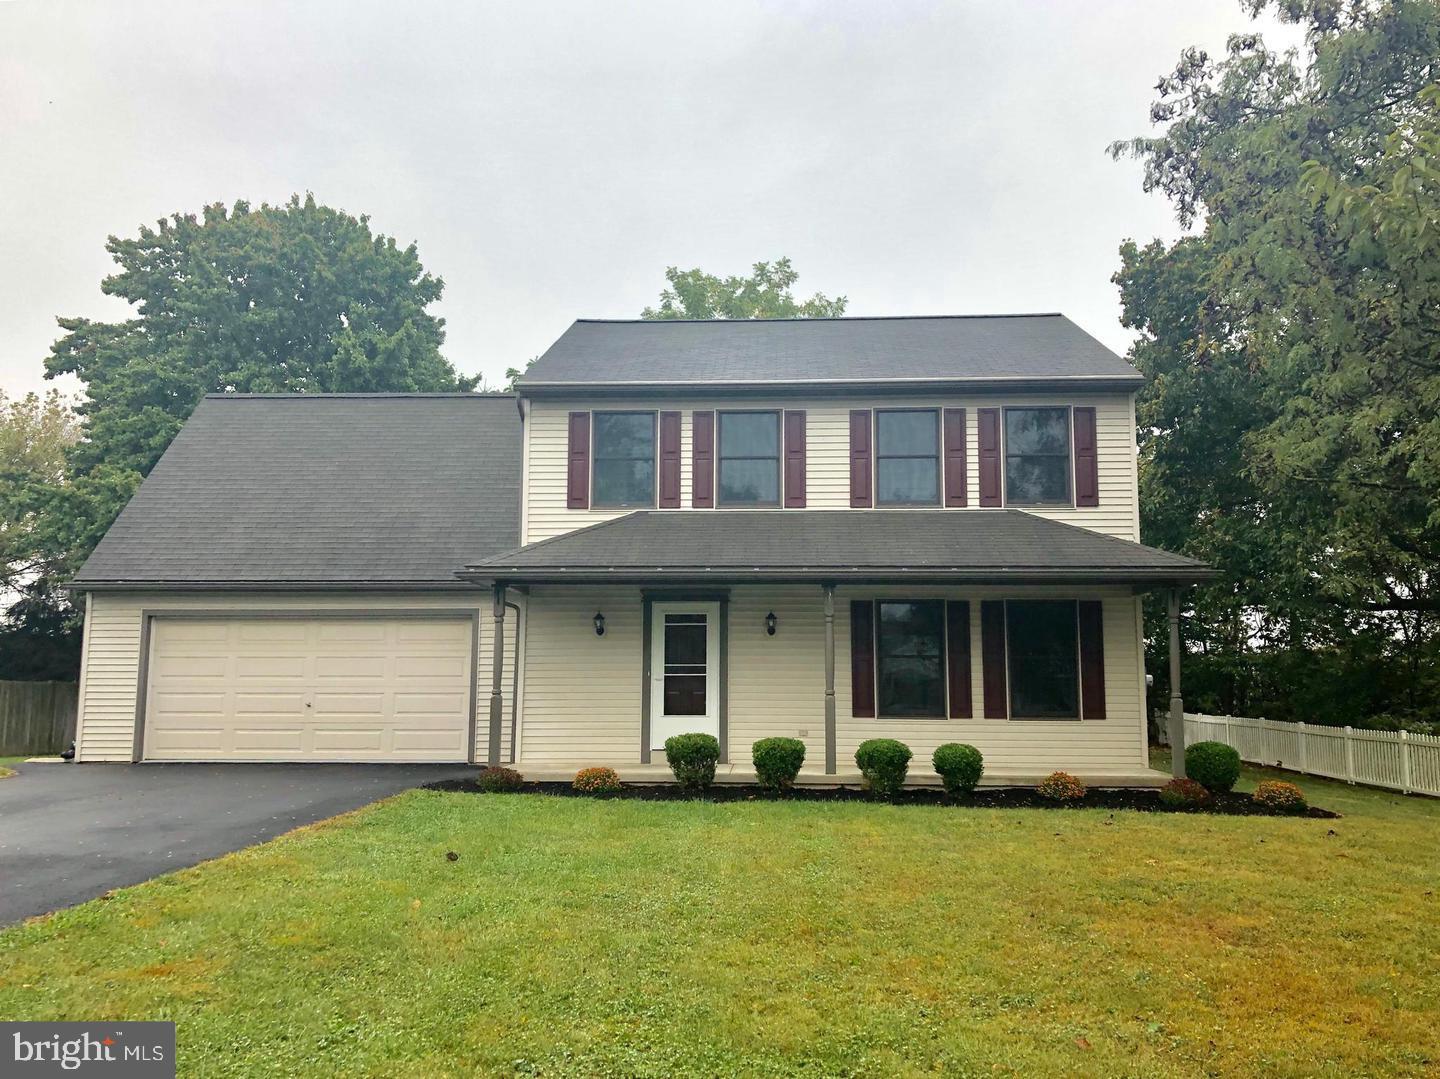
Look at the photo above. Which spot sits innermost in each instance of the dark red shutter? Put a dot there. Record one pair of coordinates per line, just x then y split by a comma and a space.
992, 658
577, 475
1092, 660
862, 658
957, 647
988, 422
860, 458
795, 459
955, 488
702, 461
1087, 462
669, 460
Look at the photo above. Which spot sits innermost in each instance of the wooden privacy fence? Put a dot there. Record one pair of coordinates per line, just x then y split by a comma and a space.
36, 717
1396, 759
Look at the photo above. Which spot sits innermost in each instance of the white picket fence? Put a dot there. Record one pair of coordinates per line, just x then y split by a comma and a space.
1399, 760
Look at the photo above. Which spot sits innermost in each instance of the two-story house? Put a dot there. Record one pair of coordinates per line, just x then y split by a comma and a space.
830, 529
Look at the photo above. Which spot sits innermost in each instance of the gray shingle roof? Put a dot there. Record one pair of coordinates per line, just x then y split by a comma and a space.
975, 545
318, 488
1000, 349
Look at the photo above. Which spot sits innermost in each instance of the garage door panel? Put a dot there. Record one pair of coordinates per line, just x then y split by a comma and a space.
309, 689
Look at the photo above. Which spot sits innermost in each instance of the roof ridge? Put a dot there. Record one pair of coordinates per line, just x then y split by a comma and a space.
834, 318
302, 396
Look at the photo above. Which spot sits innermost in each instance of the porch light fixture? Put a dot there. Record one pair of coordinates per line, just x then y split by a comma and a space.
770, 621
599, 624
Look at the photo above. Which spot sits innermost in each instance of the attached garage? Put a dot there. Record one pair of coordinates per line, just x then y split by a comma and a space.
348, 688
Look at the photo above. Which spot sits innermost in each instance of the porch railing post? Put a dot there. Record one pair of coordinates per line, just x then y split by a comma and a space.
497, 674
829, 590
1177, 702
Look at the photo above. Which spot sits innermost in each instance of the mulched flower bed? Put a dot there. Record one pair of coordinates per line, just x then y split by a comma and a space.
1145, 801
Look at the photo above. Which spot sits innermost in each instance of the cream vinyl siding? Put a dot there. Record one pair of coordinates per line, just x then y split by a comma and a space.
110, 663
582, 693
827, 456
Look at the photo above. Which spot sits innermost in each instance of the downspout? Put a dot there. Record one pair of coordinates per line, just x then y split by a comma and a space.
514, 684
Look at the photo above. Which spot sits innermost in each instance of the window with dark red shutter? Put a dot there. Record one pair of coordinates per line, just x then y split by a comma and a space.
954, 436
988, 423
1087, 458
577, 476
702, 460
992, 658
794, 459
957, 647
669, 460
862, 658
1092, 660
860, 458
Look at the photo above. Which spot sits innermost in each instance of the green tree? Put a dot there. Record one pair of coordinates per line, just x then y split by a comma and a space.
766, 293
1289, 431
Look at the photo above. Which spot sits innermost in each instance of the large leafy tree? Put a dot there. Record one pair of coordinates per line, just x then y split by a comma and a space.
768, 292
291, 298
1290, 431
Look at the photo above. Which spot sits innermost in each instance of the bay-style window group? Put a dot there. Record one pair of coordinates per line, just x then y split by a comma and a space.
1030, 455
1040, 658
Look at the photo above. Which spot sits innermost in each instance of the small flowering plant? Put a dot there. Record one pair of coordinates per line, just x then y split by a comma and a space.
597, 781
1184, 794
1278, 795
1061, 787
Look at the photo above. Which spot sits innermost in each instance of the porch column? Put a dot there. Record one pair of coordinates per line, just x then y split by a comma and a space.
829, 590
1177, 704
497, 671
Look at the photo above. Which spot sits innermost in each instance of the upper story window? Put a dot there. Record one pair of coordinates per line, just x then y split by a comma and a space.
749, 458
624, 456
1037, 456
1043, 645
907, 457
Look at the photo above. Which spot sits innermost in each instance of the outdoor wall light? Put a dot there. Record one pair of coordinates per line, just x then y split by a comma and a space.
599, 624
770, 621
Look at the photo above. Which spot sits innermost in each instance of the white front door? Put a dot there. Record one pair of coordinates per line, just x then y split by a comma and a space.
684, 670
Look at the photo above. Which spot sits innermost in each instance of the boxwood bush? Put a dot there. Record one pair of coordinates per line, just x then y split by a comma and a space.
692, 757
597, 781
778, 761
1213, 765
960, 767
496, 780
883, 762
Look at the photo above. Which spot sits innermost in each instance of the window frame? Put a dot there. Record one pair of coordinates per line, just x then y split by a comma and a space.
1010, 714
1069, 411
720, 501
876, 457
880, 714
654, 415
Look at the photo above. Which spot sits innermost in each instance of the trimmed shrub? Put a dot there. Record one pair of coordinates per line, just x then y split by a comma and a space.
960, 767
883, 762
1214, 765
692, 757
1061, 787
778, 761
498, 780
597, 781
1184, 794
1278, 795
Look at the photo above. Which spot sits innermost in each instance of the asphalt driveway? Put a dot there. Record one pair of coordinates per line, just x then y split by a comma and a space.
71, 832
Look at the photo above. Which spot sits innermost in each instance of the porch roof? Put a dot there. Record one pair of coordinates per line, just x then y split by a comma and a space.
970, 545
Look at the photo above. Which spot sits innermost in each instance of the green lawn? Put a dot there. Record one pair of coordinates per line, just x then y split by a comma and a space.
7, 765
626, 938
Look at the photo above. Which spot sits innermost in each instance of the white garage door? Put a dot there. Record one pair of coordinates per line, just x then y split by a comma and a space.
312, 689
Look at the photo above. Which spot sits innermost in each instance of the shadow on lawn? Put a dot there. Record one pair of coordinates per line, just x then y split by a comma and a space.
1144, 801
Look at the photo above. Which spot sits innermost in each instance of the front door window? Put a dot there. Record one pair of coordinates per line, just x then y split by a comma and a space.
685, 636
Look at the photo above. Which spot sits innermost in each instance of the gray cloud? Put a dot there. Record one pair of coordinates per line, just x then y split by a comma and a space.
551, 159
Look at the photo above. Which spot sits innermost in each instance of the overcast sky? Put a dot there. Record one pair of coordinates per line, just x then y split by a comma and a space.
550, 160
